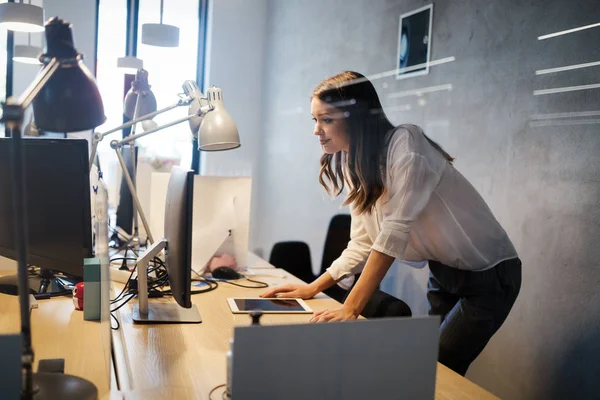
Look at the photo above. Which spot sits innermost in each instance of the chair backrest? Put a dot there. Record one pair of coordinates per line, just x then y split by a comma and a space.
384, 305
336, 241
294, 257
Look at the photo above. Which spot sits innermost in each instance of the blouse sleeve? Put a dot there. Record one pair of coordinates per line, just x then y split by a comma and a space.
410, 183
353, 258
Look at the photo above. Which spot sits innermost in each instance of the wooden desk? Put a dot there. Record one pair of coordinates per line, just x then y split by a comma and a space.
187, 361
59, 331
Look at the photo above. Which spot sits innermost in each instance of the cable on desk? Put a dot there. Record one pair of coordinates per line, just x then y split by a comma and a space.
155, 285
116, 299
125, 301
120, 258
261, 285
212, 285
215, 389
115, 328
46, 296
126, 291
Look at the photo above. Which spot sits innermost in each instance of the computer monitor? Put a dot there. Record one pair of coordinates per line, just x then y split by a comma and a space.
178, 245
221, 217
178, 233
58, 210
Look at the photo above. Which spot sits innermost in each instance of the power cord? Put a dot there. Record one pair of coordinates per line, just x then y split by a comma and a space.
115, 328
33, 271
224, 396
261, 285
212, 285
155, 285
126, 291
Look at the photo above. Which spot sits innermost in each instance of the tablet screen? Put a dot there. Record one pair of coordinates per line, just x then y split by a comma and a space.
268, 305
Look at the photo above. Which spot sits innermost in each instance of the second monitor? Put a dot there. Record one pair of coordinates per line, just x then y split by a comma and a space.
221, 216
178, 244
59, 224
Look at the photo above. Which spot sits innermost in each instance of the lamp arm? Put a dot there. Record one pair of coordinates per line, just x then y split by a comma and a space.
94, 149
34, 88
116, 144
13, 110
134, 196
98, 136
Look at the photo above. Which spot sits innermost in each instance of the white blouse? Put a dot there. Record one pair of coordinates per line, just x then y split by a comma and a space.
429, 212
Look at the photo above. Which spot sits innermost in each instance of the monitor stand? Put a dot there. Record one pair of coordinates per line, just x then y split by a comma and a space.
166, 313
158, 313
41, 286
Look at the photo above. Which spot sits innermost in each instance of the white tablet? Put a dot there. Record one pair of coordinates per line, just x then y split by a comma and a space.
268, 306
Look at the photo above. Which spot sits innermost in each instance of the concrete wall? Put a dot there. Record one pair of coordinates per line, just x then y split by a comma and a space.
542, 182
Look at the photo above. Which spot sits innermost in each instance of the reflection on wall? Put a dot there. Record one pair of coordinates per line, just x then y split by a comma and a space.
530, 149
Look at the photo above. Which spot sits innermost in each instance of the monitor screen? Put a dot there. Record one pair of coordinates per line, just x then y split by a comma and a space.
178, 233
57, 191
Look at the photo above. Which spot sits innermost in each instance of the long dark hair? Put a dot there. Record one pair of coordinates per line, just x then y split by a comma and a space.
363, 167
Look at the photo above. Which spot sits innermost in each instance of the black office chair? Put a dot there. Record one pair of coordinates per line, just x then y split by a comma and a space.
381, 304
336, 241
384, 305
294, 257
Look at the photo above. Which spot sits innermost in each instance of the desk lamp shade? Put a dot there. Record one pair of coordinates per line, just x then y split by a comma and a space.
70, 100
217, 130
21, 17
139, 94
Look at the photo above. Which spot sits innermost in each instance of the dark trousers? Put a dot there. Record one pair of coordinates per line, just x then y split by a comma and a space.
473, 306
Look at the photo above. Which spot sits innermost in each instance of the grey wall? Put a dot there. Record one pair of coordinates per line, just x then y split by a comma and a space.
542, 182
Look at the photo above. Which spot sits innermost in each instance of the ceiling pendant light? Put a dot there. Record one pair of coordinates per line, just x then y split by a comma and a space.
27, 54
160, 34
21, 17
130, 64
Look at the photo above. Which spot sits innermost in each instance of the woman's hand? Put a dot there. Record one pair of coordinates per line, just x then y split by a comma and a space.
296, 291
339, 314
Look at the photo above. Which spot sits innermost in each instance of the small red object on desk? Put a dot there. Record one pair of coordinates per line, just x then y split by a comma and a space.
78, 296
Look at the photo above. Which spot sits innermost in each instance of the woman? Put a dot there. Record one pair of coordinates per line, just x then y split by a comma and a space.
409, 203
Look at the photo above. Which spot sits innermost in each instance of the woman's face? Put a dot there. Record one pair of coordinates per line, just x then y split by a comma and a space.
330, 126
